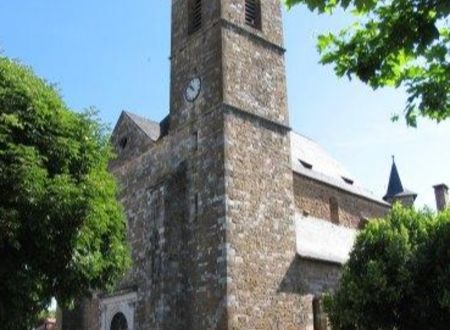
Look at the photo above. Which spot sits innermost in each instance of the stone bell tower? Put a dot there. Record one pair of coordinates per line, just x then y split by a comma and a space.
228, 59
208, 193
235, 49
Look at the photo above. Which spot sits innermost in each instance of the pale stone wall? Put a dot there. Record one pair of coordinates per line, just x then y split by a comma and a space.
258, 177
272, 25
260, 225
254, 76
313, 197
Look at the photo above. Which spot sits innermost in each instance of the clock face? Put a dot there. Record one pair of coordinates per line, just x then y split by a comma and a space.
193, 89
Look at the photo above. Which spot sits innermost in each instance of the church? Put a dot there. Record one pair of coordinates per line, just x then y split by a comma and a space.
235, 221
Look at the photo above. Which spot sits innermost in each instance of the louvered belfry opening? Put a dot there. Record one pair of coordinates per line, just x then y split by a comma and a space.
195, 15
253, 13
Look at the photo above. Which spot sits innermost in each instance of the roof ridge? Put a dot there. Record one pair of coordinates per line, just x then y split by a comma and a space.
305, 136
149, 127
132, 114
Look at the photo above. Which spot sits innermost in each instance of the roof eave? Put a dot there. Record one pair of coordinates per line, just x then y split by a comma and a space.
341, 187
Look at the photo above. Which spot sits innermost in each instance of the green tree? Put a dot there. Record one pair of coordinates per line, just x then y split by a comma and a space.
62, 230
394, 43
398, 275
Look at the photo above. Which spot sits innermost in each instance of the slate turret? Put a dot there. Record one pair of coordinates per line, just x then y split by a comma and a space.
395, 191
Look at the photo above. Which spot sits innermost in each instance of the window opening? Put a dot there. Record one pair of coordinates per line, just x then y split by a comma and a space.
119, 322
123, 142
195, 137
334, 210
320, 316
196, 204
253, 13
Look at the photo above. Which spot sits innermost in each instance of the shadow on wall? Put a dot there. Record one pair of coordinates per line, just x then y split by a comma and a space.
306, 276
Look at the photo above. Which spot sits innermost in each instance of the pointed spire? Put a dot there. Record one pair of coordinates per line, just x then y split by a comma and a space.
395, 184
395, 191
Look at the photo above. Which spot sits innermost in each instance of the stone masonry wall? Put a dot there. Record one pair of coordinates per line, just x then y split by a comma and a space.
258, 177
254, 76
174, 213
174, 201
130, 142
314, 198
197, 55
272, 25
260, 227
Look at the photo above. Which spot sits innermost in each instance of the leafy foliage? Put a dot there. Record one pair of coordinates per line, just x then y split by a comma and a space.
398, 275
394, 43
62, 230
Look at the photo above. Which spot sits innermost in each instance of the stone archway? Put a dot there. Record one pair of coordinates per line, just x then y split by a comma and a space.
117, 311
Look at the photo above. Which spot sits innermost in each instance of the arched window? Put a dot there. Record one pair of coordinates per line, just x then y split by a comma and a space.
118, 311
119, 322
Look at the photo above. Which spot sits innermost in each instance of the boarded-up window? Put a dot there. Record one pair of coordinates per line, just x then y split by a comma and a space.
334, 210
253, 13
195, 15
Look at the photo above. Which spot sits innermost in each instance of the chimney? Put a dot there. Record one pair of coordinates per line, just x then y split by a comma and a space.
441, 193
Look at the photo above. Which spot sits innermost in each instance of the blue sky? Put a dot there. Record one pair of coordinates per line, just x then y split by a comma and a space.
114, 55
